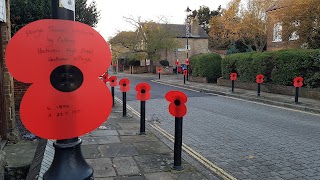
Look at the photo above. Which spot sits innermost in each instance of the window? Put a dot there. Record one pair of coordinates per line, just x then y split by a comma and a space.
294, 35
277, 32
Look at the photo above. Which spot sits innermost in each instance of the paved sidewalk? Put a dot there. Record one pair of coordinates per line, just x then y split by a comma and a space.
116, 151
305, 104
119, 152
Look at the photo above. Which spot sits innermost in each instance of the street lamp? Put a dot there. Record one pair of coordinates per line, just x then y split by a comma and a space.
188, 13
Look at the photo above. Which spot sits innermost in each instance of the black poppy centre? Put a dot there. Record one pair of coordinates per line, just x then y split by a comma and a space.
66, 78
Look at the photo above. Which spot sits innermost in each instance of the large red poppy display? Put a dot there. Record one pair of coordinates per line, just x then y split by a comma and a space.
63, 60
124, 85
298, 82
259, 78
177, 99
143, 91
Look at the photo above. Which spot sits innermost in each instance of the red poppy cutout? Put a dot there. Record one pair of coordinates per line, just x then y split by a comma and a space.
159, 70
113, 81
298, 82
177, 99
259, 78
143, 91
187, 62
177, 63
62, 59
105, 77
185, 72
233, 76
114, 65
124, 85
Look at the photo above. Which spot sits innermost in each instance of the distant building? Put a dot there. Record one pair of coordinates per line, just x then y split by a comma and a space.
198, 41
275, 40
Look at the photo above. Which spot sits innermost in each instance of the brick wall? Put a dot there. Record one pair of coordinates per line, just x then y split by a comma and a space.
19, 90
9, 114
197, 46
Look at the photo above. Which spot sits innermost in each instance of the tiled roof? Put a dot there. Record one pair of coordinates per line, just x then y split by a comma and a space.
280, 4
180, 31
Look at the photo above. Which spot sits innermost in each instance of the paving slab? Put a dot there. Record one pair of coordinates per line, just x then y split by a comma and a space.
152, 147
103, 167
126, 166
100, 140
118, 150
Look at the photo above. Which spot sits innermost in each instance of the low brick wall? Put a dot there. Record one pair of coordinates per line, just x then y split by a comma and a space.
313, 93
136, 69
198, 79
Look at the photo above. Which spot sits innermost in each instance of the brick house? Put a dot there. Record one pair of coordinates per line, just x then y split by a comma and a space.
7, 109
198, 41
275, 39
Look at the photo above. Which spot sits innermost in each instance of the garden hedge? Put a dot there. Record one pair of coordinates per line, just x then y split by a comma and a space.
278, 67
206, 65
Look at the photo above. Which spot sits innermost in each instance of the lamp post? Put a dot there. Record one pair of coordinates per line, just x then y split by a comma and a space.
188, 10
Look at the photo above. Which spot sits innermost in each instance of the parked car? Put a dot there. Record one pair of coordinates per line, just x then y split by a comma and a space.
181, 68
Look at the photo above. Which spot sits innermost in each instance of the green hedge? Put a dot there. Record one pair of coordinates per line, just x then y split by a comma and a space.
206, 65
279, 67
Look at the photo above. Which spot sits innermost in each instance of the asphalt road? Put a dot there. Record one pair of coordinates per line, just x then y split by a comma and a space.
247, 140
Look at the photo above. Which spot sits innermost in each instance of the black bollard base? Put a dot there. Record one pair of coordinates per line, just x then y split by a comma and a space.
178, 168
68, 163
142, 133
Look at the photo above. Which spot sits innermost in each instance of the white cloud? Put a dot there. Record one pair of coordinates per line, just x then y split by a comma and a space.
113, 12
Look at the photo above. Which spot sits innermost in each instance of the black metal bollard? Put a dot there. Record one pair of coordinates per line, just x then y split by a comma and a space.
143, 118
184, 79
296, 98
232, 86
178, 144
159, 75
259, 89
112, 92
187, 72
124, 103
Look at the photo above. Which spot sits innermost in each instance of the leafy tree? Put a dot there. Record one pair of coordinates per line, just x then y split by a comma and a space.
247, 24
204, 15
26, 11
150, 38
301, 18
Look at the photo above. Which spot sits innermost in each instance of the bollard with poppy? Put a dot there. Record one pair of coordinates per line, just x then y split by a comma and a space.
159, 72
233, 77
124, 88
178, 109
105, 77
185, 73
143, 94
177, 65
297, 82
187, 63
259, 80
113, 82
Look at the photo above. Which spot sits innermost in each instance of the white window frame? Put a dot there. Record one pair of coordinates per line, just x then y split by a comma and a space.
277, 32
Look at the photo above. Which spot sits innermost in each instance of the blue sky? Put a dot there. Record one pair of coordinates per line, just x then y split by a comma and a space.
113, 12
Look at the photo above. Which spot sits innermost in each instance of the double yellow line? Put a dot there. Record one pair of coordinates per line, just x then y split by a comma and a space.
204, 161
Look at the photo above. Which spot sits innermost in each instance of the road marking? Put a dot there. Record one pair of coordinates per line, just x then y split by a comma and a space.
235, 98
204, 161
175, 86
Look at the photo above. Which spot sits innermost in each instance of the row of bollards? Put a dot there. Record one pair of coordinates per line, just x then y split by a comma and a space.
297, 82
177, 108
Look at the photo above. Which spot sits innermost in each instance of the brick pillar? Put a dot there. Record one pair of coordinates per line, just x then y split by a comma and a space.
9, 110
